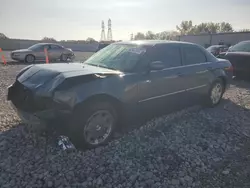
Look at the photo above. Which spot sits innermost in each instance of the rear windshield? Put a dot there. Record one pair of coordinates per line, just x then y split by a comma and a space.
241, 47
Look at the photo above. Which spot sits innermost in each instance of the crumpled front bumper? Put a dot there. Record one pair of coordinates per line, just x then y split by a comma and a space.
32, 114
30, 119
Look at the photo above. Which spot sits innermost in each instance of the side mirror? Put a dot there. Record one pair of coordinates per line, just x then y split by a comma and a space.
156, 65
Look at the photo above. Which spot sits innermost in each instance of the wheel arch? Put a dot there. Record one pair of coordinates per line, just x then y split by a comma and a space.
118, 105
224, 81
220, 74
29, 55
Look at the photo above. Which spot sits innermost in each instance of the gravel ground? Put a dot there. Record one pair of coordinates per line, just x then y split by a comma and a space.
195, 147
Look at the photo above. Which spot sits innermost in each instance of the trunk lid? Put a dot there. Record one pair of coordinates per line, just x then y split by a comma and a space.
239, 60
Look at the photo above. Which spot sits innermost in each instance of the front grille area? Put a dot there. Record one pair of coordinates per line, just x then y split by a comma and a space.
22, 97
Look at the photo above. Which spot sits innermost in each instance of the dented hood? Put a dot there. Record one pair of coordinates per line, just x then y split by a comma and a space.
38, 75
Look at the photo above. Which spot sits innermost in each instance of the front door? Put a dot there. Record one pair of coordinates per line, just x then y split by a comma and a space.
163, 87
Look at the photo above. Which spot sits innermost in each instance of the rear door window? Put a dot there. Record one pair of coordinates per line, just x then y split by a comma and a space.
168, 54
193, 55
55, 47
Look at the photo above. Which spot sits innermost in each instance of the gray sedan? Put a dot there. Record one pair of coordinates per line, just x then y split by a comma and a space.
36, 53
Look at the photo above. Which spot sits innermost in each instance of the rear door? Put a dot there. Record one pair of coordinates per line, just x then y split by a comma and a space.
54, 52
39, 53
159, 87
198, 71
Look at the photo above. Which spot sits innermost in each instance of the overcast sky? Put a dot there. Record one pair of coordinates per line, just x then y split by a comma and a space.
79, 19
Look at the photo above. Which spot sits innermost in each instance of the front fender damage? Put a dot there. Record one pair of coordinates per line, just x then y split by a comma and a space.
73, 91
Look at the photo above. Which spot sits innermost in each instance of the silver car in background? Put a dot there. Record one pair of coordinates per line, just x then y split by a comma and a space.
36, 53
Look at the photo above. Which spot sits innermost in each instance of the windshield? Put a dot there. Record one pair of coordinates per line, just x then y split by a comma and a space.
120, 57
35, 47
241, 47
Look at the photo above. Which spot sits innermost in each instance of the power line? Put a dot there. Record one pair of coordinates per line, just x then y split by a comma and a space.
109, 30
103, 36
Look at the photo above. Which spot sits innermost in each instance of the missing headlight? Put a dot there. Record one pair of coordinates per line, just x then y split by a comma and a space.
74, 81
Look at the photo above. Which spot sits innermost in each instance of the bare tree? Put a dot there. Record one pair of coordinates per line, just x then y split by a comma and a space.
3, 36
48, 39
139, 36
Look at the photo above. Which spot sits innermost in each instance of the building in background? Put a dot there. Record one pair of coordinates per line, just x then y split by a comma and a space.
207, 40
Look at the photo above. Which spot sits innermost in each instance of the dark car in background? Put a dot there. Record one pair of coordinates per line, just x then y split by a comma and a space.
124, 79
36, 53
101, 46
239, 56
217, 49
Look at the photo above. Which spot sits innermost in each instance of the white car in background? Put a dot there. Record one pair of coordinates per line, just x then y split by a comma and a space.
36, 53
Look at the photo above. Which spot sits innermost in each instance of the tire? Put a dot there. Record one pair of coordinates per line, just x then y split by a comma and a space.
72, 58
80, 124
64, 57
215, 93
29, 58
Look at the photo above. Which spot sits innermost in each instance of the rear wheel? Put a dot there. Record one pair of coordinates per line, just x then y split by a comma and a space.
64, 57
215, 93
72, 57
29, 58
93, 125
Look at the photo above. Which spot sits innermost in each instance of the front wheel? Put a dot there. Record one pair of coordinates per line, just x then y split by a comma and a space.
93, 125
215, 93
29, 59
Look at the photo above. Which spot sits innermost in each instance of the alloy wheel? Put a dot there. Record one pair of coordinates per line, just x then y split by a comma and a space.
98, 127
30, 59
216, 93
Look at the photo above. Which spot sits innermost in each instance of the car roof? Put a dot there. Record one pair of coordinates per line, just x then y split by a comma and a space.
247, 41
154, 42
43, 43
218, 46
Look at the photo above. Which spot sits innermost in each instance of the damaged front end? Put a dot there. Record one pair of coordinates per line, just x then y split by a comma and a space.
32, 98
35, 110
46, 95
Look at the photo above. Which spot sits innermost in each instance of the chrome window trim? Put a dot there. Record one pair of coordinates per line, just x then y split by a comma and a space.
182, 66
193, 88
173, 93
